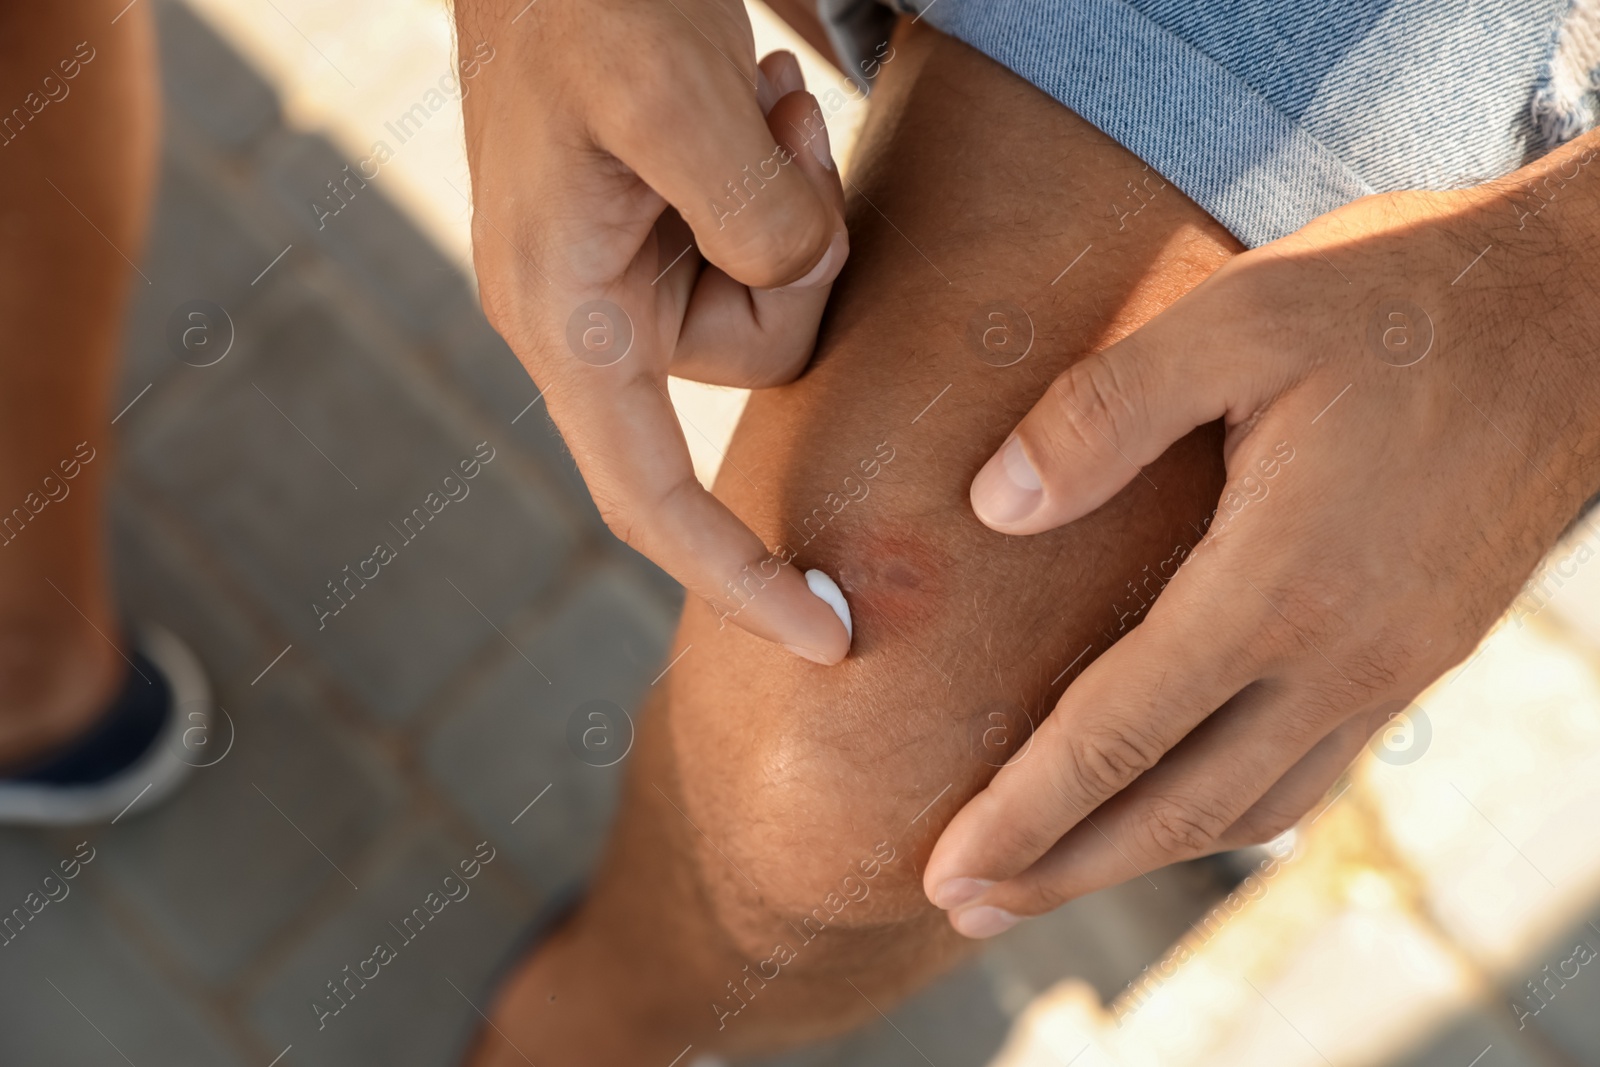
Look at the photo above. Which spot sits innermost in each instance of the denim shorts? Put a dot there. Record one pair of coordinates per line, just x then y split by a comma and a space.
1269, 113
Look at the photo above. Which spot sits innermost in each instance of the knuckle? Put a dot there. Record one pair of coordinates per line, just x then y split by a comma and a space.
1094, 406
634, 513
781, 368
1378, 668
1035, 897
1028, 834
1376, 661
629, 508
777, 241
1305, 618
1179, 827
493, 295
509, 310
1100, 762
1239, 655
1316, 708
617, 515
658, 89
1300, 708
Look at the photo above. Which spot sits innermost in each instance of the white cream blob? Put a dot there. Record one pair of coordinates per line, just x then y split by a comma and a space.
827, 590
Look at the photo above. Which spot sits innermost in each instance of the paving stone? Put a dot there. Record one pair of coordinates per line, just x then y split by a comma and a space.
202, 247
953, 1023
490, 373
662, 586
1567, 582
1363, 984
226, 865
496, 380
158, 575
1564, 1005
408, 1014
301, 457
203, 78
216, 871
369, 238
1481, 1039
1104, 939
76, 992
508, 743
1492, 801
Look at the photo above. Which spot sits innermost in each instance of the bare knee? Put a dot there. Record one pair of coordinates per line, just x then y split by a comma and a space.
796, 774
816, 810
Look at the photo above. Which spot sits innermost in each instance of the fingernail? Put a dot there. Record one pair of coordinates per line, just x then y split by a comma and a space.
766, 92
828, 267
954, 892
820, 145
983, 921
785, 79
806, 653
1008, 489
827, 590
786, 76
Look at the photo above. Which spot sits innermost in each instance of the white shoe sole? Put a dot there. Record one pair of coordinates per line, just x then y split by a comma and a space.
152, 777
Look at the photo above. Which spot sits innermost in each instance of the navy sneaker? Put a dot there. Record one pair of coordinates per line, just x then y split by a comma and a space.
134, 753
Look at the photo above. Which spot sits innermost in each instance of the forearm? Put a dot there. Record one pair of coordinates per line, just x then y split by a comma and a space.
1539, 234
1565, 174
1572, 173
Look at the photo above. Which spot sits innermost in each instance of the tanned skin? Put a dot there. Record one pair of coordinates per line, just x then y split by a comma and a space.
762, 886
75, 186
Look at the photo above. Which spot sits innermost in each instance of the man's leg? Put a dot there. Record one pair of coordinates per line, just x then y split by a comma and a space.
762, 886
77, 136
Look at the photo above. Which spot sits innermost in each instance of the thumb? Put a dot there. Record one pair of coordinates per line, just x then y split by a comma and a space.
1099, 423
754, 214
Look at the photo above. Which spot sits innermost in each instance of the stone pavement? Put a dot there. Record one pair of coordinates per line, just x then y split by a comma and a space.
371, 732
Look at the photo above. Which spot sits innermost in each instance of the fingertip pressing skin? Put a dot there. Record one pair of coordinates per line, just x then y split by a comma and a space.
983, 921
1008, 489
827, 268
827, 590
962, 896
952, 893
824, 589
798, 124
959, 896
777, 75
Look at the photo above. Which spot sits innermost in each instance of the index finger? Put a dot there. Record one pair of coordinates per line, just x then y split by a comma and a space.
625, 437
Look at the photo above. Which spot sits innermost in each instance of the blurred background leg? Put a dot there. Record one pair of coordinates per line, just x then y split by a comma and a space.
76, 166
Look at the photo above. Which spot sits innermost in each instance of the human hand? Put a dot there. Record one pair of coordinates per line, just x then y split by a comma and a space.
1409, 429
648, 201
